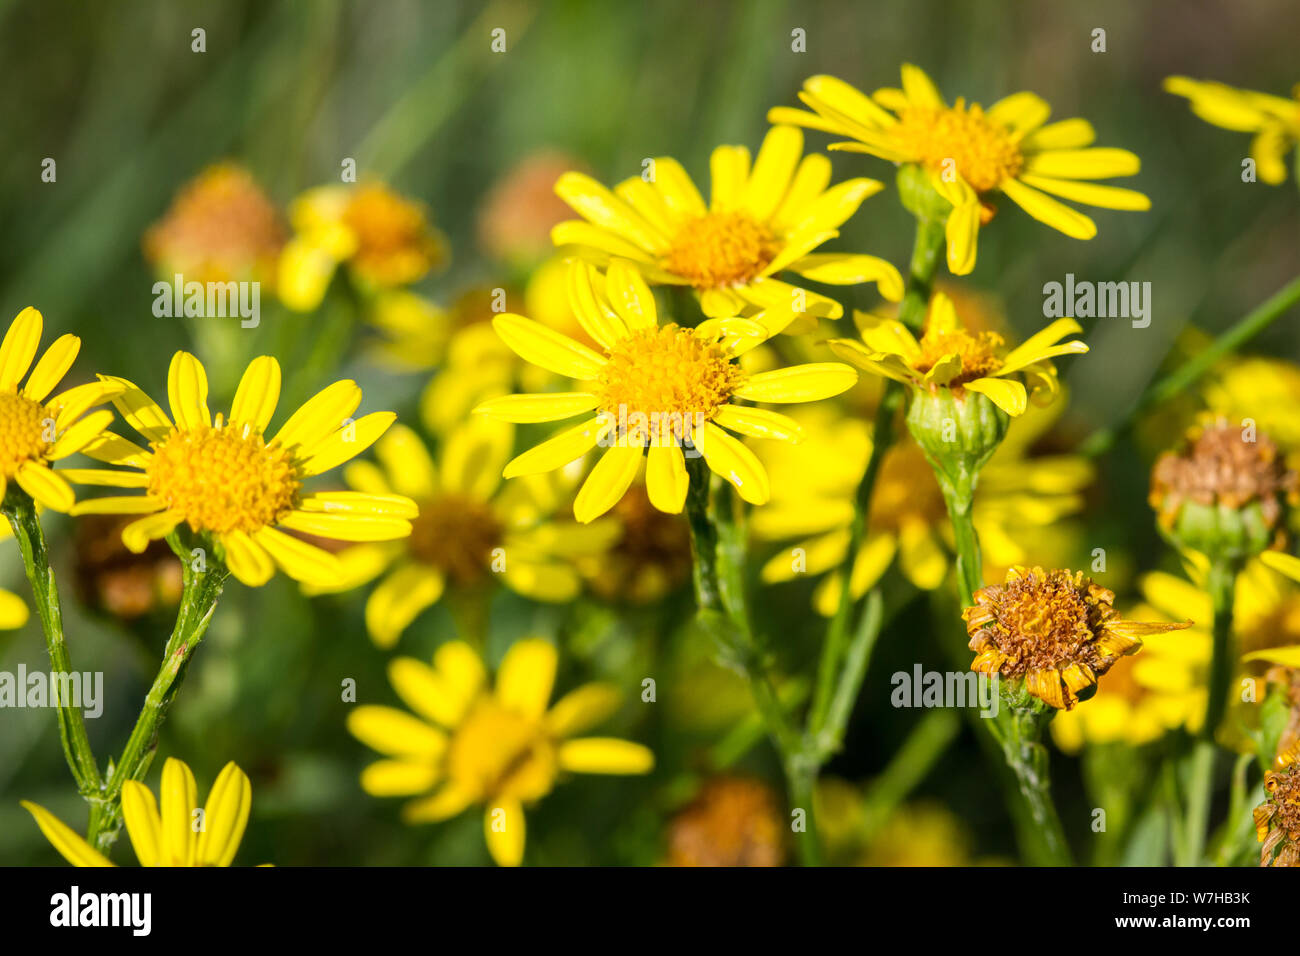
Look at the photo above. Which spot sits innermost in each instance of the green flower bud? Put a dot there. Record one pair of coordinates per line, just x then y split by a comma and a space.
958, 429
918, 196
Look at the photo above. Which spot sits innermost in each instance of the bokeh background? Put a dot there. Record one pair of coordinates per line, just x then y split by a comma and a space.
415, 94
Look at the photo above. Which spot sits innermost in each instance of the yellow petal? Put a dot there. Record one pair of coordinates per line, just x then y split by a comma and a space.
139, 534
605, 755
179, 801
54, 364
427, 692
257, 394
547, 348
320, 415
543, 407
19, 348
600, 206
45, 486
1095, 163
246, 559
301, 561
143, 825
346, 443
728, 171
399, 778
1066, 134
557, 451
728, 457
504, 829
187, 391
140, 411
62, 837
759, 423
629, 295
584, 707
395, 733
773, 169
347, 527
665, 478
399, 599
798, 383
79, 434
608, 481
1049, 211
1007, 394
526, 677
225, 817
1091, 194
443, 805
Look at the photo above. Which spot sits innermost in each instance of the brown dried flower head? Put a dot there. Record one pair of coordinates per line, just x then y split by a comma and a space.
1055, 630
1223, 464
1277, 819
734, 821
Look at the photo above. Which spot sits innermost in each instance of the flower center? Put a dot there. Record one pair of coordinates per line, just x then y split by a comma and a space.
457, 535
26, 430
222, 480
671, 377
496, 753
977, 351
394, 240
1048, 620
721, 249
1222, 466
906, 491
985, 153
1283, 788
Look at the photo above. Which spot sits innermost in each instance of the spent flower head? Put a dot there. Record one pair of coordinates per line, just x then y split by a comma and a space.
1055, 631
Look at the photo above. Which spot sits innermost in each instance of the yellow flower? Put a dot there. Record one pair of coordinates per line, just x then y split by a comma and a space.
469, 530
1055, 630
969, 154
1263, 390
385, 239
226, 479
413, 331
759, 221
500, 748
1274, 120
169, 838
655, 386
221, 227
815, 485
949, 356
650, 558
36, 430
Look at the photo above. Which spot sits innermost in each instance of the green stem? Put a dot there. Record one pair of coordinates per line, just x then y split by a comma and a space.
1237, 335
21, 512
721, 614
1018, 730
1191, 846
1222, 584
201, 589
927, 249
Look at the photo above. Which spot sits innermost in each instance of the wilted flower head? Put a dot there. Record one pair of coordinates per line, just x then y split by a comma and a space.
1277, 819
1225, 491
515, 221
734, 821
1055, 630
220, 227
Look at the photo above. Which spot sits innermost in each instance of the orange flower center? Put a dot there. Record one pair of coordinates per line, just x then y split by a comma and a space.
961, 139
978, 352
222, 480
395, 243
721, 249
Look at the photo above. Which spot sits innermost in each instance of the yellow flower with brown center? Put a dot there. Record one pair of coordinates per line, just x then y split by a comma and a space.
760, 221
1055, 630
221, 227
170, 838
733, 821
815, 483
948, 356
650, 558
226, 479
1277, 819
500, 747
655, 389
385, 239
1275, 120
35, 429
1225, 491
470, 532
969, 154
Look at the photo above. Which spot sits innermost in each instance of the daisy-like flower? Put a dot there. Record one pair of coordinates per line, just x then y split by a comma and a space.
1274, 120
814, 485
169, 838
759, 221
472, 744
385, 239
226, 479
469, 530
948, 356
653, 388
1055, 630
970, 154
35, 429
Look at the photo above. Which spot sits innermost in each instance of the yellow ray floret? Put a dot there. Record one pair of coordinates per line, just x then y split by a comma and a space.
761, 219
225, 478
654, 389
949, 356
35, 429
1274, 120
971, 154
169, 837
468, 743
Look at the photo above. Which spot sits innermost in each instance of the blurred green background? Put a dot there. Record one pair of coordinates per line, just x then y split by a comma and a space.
414, 93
